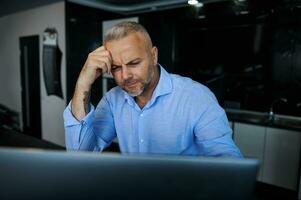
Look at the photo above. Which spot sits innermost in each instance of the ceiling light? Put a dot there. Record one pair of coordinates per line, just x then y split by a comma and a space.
193, 2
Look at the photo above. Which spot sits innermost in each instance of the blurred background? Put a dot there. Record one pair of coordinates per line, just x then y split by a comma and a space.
248, 52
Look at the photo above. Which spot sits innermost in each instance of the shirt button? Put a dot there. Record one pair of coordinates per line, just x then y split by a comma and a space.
141, 115
142, 141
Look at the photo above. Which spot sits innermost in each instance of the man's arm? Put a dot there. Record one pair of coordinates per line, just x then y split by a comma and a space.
94, 132
214, 135
81, 101
78, 135
78, 117
97, 63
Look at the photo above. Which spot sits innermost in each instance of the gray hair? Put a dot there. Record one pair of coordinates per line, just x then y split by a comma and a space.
124, 29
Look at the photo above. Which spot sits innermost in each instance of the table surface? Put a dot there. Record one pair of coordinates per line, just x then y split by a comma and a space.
10, 138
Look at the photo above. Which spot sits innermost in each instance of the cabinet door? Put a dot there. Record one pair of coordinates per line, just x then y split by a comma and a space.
250, 140
281, 158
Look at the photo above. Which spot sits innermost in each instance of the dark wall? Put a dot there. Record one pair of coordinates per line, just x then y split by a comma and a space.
285, 63
227, 53
247, 60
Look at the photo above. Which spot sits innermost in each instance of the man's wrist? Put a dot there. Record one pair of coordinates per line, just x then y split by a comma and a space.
81, 86
80, 105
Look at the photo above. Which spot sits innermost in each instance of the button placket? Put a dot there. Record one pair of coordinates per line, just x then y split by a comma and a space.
142, 132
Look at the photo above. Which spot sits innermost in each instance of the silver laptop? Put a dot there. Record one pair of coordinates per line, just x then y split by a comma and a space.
43, 175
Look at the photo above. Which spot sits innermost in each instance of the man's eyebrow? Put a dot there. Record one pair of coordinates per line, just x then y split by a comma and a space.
130, 62
133, 61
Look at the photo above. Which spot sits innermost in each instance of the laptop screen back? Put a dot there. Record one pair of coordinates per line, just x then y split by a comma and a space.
32, 174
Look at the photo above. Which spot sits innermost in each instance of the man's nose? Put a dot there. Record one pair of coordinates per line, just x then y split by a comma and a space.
126, 74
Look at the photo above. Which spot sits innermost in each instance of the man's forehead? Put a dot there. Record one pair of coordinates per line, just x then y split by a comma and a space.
133, 39
123, 52
125, 58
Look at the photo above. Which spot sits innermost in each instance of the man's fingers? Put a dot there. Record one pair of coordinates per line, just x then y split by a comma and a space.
101, 52
102, 62
102, 55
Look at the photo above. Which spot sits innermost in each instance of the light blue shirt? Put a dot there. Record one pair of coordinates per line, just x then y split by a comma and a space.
182, 117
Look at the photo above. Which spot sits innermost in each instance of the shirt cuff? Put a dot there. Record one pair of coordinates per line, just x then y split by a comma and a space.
70, 120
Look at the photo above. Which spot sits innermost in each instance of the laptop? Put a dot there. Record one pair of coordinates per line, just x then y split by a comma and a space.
42, 175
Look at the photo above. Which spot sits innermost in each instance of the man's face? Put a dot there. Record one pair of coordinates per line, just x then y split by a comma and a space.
134, 61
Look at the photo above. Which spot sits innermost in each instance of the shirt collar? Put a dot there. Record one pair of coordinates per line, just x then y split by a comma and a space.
163, 87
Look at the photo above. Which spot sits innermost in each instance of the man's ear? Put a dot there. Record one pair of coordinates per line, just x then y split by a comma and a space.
155, 55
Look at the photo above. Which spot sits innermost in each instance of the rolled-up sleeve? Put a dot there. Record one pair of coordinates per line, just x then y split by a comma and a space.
93, 133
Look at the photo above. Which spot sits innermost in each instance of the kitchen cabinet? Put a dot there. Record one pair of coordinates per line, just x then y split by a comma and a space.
250, 140
281, 158
278, 151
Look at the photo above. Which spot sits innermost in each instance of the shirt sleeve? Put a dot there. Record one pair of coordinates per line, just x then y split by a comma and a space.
94, 132
214, 135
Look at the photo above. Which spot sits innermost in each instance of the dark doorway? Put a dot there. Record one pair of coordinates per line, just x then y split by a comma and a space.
30, 83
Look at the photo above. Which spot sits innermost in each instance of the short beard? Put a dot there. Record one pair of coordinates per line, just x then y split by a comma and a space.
144, 87
138, 93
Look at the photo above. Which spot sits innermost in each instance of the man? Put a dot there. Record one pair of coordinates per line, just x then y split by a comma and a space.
150, 111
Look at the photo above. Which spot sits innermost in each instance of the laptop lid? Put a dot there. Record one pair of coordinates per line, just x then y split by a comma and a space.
36, 174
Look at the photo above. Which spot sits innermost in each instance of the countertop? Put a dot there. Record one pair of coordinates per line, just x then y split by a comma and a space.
264, 119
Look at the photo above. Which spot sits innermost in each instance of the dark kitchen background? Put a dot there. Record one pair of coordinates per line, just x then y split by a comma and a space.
246, 52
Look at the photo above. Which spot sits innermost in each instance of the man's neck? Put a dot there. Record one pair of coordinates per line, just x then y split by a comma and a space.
142, 99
